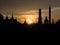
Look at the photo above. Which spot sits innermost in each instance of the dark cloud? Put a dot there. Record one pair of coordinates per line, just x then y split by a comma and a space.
26, 5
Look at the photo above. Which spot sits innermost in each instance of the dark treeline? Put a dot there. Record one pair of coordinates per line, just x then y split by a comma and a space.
12, 25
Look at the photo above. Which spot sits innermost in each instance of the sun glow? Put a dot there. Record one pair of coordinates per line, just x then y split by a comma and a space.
31, 17
29, 21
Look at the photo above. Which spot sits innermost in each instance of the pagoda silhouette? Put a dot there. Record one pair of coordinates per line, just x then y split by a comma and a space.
46, 21
12, 25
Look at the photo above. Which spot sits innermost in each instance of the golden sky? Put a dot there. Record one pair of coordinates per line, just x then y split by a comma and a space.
28, 9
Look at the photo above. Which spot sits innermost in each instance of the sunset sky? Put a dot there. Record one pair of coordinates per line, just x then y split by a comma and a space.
24, 9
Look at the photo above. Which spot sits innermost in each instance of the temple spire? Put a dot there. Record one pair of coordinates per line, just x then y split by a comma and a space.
7, 16
12, 16
40, 17
49, 14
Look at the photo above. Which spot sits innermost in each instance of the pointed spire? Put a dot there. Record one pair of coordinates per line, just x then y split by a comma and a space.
49, 14
12, 16
46, 20
40, 17
7, 16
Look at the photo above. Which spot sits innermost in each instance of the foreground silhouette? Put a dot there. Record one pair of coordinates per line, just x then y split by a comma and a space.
11, 25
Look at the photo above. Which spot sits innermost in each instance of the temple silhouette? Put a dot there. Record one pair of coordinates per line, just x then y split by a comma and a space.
12, 25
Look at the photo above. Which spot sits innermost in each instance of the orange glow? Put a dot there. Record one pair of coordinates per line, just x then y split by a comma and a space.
29, 21
29, 16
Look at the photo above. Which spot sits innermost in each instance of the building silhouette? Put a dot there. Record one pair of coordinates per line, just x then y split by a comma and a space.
12, 18
49, 14
40, 17
46, 20
6, 19
12, 25
1, 18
